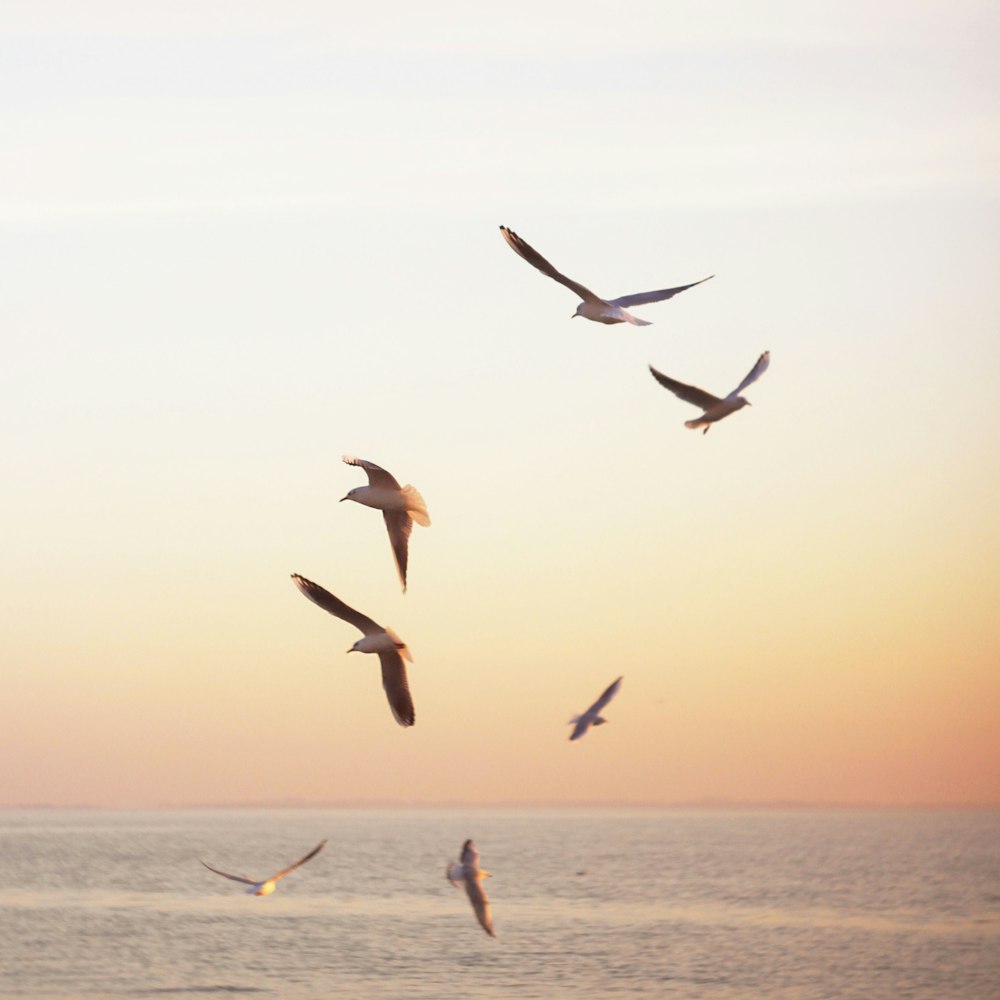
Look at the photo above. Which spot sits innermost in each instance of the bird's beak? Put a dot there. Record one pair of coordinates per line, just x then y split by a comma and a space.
352, 650
574, 315
749, 403
342, 499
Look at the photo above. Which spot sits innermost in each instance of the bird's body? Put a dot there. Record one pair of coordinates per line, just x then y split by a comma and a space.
592, 717
466, 872
400, 506
380, 499
608, 313
593, 307
391, 650
267, 886
714, 407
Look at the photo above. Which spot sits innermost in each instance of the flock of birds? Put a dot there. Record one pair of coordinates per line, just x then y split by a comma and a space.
401, 506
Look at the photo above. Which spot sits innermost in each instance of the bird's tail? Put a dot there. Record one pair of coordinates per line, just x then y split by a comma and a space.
403, 649
634, 320
415, 506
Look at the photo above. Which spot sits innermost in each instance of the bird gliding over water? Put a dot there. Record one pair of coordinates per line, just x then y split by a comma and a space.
400, 506
593, 306
376, 639
467, 871
266, 887
715, 408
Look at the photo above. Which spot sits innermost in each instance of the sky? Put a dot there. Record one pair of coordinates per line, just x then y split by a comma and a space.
240, 240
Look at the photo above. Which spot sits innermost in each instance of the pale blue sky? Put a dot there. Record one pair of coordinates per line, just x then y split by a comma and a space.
239, 240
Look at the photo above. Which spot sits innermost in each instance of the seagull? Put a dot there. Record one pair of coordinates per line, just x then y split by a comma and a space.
592, 717
715, 408
400, 506
390, 648
593, 306
268, 886
467, 870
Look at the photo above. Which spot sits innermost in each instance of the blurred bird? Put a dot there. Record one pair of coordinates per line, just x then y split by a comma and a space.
592, 717
715, 408
390, 648
400, 506
467, 870
268, 886
593, 306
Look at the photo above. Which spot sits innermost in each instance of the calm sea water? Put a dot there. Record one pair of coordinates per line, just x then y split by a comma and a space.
587, 904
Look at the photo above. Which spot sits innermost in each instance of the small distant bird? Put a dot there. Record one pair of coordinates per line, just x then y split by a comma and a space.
268, 886
467, 870
400, 506
592, 717
715, 408
593, 306
390, 648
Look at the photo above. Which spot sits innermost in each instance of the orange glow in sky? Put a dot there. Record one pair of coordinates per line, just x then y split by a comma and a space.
219, 281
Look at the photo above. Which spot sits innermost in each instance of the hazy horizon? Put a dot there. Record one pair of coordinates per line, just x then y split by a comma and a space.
363, 804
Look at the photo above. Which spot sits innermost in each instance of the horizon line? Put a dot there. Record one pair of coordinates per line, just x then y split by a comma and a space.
361, 804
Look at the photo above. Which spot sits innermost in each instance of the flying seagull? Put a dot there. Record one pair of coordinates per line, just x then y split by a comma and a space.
715, 408
268, 886
593, 306
467, 870
592, 717
400, 506
390, 648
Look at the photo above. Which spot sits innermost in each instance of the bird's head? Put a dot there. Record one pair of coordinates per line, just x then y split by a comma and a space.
350, 494
354, 648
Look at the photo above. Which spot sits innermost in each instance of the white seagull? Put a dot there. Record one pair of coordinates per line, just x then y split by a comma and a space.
400, 506
715, 408
376, 639
466, 870
268, 886
592, 717
593, 306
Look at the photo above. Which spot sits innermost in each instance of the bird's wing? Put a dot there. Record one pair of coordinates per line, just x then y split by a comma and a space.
455, 873
689, 393
469, 855
755, 373
396, 688
377, 476
399, 524
609, 693
235, 878
535, 259
641, 298
582, 725
301, 861
477, 896
335, 606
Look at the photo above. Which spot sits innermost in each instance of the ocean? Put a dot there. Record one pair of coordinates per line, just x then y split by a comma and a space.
793, 904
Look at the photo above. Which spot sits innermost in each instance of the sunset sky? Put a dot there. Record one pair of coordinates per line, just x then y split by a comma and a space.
242, 239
